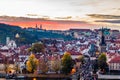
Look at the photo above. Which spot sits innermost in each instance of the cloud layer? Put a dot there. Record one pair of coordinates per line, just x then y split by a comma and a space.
48, 24
102, 16
109, 21
27, 19
62, 23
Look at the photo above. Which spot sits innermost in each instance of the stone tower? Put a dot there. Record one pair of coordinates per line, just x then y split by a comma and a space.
102, 42
7, 40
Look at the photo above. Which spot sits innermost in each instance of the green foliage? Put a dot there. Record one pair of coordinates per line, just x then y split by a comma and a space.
37, 48
27, 37
67, 63
102, 57
56, 65
95, 65
102, 62
10, 31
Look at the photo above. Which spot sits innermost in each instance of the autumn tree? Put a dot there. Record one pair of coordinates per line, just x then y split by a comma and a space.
102, 57
6, 68
102, 62
37, 48
56, 65
67, 63
17, 68
32, 63
43, 66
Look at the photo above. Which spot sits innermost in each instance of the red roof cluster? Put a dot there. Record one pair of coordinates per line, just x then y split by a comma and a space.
74, 53
115, 60
114, 48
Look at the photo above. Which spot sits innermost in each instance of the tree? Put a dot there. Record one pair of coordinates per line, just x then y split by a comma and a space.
32, 63
56, 65
95, 66
81, 59
102, 57
17, 68
37, 48
43, 66
6, 68
102, 62
67, 63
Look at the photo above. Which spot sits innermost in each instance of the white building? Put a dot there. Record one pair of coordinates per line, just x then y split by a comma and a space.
10, 43
114, 63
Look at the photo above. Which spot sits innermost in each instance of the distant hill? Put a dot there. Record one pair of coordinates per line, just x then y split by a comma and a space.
11, 31
26, 37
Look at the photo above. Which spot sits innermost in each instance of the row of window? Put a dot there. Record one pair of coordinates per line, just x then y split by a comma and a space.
115, 66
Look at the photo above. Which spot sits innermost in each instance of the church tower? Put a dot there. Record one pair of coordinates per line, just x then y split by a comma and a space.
41, 27
7, 40
102, 42
36, 27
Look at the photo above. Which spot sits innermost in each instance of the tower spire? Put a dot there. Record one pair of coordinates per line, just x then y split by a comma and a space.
103, 42
41, 26
36, 26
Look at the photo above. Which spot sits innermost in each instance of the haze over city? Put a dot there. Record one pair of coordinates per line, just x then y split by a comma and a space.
61, 14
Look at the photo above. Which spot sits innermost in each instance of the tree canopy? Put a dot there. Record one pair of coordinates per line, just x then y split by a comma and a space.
67, 63
102, 57
37, 48
102, 62
32, 63
56, 65
26, 36
43, 66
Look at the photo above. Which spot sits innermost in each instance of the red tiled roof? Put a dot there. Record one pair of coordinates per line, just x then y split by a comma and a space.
111, 54
115, 60
74, 53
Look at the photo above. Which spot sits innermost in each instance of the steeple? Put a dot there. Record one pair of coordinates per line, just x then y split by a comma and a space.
36, 26
102, 41
102, 38
41, 26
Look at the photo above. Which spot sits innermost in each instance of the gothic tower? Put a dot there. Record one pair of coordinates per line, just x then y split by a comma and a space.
41, 27
102, 42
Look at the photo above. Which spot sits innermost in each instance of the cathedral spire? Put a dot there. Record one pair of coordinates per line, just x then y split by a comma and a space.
41, 26
102, 37
102, 41
36, 26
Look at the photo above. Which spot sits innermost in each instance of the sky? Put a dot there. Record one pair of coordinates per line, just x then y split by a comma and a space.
61, 14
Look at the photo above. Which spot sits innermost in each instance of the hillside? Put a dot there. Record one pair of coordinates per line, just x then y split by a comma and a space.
26, 37
11, 31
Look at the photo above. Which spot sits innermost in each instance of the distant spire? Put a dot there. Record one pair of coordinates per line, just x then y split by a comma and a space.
102, 37
41, 26
36, 26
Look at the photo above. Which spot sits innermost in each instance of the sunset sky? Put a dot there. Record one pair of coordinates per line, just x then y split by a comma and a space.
61, 14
